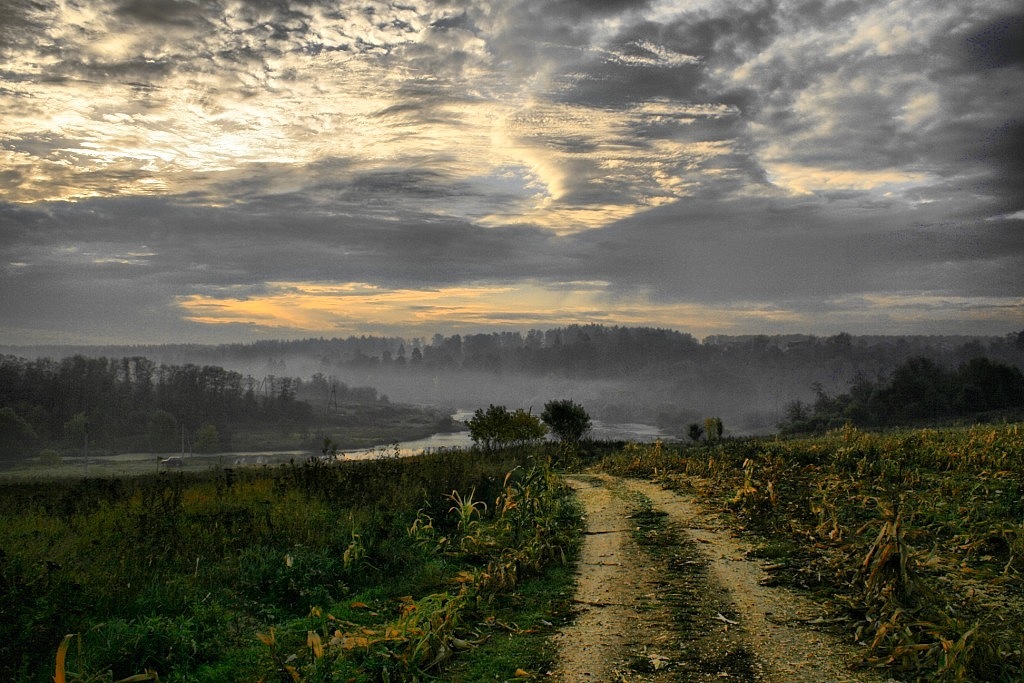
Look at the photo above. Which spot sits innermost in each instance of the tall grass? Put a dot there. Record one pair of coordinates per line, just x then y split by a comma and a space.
177, 573
532, 523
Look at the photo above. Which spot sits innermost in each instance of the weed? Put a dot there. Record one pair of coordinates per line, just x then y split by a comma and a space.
62, 675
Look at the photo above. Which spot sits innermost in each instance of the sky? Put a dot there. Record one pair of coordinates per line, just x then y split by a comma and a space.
222, 171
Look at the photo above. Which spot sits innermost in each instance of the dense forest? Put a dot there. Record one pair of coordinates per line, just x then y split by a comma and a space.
576, 350
920, 391
132, 403
620, 374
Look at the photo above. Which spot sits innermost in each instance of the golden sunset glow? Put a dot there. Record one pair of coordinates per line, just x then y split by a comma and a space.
344, 309
807, 180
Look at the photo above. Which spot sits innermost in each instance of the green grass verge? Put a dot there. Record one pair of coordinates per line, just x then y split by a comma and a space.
400, 567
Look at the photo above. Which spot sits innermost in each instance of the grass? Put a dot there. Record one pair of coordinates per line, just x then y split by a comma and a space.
517, 636
916, 535
274, 573
305, 571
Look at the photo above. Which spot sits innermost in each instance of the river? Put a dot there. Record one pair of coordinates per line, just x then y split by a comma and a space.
141, 463
600, 431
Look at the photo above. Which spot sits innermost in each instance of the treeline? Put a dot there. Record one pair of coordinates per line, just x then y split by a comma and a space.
583, 350
576, 349
134, 404
920, 391
613, 351
622, 374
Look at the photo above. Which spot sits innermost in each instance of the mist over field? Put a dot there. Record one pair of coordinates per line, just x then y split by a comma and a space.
620, 375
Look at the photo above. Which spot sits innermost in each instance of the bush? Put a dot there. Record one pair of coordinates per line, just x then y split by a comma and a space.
496, 427
567, 420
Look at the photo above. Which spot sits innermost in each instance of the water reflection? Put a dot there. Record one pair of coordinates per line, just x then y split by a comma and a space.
601, 431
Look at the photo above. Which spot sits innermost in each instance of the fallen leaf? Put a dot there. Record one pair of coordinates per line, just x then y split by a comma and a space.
352, 642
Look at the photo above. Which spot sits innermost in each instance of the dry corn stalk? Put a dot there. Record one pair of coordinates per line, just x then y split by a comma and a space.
889, 549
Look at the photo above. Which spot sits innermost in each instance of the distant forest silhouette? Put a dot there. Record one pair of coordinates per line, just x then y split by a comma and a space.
132, 403
620, 374
920, 391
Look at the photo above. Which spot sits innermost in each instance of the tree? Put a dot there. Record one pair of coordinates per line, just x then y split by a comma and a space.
16, 435
77, 430
207, 439
486, 426
713, 428
919, 389
695, 431
162, 432
567, 420
983, 385
526, 428
496, 427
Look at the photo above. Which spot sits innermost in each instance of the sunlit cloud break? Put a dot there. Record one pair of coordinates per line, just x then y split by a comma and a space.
342, 309
167, 167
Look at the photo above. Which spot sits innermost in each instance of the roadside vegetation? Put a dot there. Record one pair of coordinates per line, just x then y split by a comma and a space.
360, 571
914, 538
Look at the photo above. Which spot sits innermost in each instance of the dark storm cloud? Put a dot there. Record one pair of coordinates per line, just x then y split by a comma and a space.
19, 20
999, 43
163, 12
979, 142
730, 34
766, 250
727, 250
1005, 147
203, 247
578, 10
616, 83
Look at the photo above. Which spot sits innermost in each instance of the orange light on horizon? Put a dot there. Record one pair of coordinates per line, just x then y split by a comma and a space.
359, 307
341, 308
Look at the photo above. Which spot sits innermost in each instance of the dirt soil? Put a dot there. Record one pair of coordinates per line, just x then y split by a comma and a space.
666, 593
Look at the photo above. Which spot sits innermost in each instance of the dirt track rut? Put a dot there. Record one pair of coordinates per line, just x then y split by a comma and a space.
666, 593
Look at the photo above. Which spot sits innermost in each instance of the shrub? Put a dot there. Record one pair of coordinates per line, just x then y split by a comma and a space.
567, 420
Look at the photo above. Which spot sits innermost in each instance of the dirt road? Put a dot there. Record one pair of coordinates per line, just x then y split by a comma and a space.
666, 593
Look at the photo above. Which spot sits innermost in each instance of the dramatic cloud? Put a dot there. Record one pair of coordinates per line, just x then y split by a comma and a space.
221, 170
